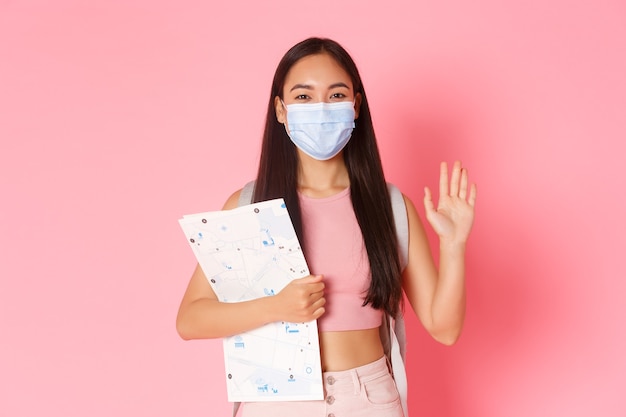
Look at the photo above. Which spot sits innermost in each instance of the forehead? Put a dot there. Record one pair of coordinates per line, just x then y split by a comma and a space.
317, 70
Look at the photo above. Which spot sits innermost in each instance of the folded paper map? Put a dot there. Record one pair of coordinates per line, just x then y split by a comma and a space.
250, 252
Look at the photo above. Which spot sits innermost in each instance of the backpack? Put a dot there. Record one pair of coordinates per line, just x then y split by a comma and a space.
392, 330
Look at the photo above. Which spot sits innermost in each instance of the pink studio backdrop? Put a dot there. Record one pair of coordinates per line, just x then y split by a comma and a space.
116, 118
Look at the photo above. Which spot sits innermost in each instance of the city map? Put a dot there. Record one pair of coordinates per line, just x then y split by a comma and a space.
246, 253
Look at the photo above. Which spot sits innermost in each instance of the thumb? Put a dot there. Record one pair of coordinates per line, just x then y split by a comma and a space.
428, 200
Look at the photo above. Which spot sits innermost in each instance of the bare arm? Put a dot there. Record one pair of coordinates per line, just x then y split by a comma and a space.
437, 295
202, 316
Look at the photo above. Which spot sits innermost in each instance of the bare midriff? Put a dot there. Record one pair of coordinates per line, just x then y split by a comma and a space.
349, 349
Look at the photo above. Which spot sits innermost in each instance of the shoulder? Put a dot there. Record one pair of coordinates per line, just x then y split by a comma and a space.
240, 197
233, 200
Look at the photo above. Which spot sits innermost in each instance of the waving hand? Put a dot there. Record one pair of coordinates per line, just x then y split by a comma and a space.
453, 218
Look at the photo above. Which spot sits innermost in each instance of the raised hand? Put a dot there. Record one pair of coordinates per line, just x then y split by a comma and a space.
453, 218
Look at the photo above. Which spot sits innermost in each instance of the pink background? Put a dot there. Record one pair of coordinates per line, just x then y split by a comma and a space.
118, 117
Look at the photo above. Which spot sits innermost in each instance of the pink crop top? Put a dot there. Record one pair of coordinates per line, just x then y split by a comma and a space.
335, 248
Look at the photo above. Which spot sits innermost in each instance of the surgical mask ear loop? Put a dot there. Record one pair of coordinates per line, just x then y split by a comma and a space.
285, 116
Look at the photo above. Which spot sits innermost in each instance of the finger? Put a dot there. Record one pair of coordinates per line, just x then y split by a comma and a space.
317, 309
316, 288
472, 195
463, 189
454, 181
319, 302
318, 313
428, 200
443, 180
311, 279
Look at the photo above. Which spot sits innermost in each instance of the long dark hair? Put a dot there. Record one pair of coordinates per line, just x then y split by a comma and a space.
278, 177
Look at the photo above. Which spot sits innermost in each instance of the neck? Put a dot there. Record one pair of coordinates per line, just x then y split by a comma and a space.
322, 178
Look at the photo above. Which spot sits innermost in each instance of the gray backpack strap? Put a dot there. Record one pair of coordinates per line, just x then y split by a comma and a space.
402, 223
246, 194
393, 332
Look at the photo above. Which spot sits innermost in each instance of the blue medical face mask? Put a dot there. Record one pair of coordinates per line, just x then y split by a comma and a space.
320, 130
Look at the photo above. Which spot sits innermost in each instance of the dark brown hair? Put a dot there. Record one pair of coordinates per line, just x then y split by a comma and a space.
278, 170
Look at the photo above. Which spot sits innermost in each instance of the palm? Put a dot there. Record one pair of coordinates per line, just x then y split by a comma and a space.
453, 218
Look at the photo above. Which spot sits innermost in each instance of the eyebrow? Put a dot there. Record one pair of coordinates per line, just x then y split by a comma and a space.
308, 87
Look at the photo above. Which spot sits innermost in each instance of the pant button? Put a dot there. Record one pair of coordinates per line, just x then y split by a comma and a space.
331, 380
330, 399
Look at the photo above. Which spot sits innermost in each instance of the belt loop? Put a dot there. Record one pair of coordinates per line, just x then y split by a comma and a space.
356, 381
389, 366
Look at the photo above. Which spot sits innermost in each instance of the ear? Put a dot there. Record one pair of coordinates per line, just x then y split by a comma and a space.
357, 105
279, 108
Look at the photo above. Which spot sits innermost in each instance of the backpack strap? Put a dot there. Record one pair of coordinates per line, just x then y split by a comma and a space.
246, 194
392, 330
402, 223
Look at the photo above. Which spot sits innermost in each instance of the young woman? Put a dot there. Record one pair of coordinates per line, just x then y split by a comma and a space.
319, 153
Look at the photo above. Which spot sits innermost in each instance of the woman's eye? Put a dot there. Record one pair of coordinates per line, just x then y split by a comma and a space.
302, 97
338, 95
